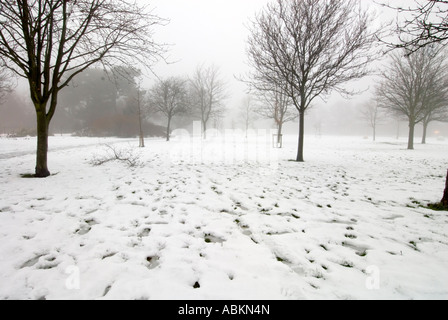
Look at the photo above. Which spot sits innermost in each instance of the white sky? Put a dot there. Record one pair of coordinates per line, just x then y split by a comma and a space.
207, 32
214, 32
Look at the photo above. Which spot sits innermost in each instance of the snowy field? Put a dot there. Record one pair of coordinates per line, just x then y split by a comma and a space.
233, 219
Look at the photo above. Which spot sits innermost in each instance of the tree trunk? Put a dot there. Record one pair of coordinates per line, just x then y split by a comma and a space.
411, 135
168, 129
279, 135
374, 133
445, 194
425, 129
204, 129
42, 145
301, 137
141, 143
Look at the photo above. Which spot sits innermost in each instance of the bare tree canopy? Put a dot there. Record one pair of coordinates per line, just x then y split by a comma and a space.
415, 86
309, 48
427, 23
170, 98
276, 105
208, 92
49, 42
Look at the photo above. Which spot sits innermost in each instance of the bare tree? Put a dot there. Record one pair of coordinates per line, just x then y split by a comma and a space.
425, 23
49, 42
413, 84
208, 92
371, 113
309, 48
169, 97
276, 105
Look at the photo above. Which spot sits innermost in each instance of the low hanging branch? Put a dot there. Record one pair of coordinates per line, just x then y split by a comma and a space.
125, 155
426, 23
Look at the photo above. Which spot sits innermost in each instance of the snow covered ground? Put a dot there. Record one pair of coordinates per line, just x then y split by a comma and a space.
233, 219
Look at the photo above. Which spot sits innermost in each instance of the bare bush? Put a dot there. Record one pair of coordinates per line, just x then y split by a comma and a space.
112, 153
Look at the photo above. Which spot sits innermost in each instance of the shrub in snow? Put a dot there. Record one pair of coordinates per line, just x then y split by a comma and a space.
112, 153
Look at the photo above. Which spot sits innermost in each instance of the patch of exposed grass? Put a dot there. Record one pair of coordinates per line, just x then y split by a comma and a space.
436, 207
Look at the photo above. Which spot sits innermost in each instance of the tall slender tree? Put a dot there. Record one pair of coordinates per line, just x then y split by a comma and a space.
49, 42
208, 92
169, 97
309, 48
444, 200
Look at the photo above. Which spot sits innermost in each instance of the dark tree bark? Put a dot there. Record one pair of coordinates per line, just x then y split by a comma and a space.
411, 135
445, 194
41, 170
300, 156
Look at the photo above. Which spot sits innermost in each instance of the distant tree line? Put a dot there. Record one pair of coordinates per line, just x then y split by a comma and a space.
102, 104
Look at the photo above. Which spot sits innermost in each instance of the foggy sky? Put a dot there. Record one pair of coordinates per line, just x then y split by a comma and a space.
215, 32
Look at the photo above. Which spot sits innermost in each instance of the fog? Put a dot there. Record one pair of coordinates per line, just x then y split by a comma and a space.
204, 32
231, 212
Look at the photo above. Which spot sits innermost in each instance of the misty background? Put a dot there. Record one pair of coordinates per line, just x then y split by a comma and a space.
200, 33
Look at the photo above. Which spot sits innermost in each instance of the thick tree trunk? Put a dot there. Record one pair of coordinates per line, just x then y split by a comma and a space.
445, 194
301, 137
411, 135
42, 145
